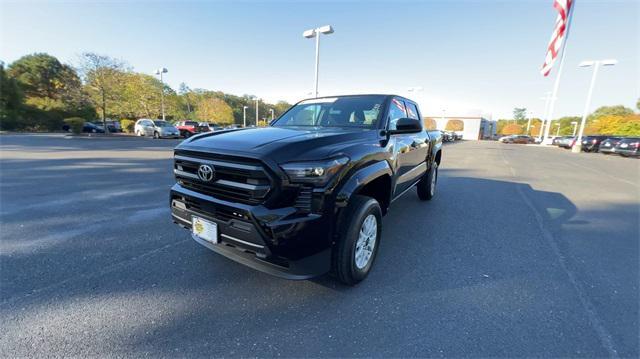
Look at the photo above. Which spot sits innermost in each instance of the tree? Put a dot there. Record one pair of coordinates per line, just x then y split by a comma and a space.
214, 110
11, 98
430, 123
519, 113
104, 79
618, 110
454, 125
512, 129
52, 91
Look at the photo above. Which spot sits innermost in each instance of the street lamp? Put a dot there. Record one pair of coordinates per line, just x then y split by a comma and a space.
160, 72
244, 116
272, 114
577, 147
309, 34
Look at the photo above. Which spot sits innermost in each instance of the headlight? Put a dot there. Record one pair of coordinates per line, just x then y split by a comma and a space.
318, 173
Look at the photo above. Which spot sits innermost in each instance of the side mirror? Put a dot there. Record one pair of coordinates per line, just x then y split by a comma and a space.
407, 125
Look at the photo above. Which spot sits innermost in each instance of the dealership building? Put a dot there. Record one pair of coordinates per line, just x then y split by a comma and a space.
471, 128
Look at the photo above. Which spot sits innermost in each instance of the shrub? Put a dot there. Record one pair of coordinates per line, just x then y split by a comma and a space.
127, 125
75, 123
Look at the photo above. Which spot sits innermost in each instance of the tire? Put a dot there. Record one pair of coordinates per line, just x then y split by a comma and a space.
427, 185
156, 135
138, 133
187, 134
355, 236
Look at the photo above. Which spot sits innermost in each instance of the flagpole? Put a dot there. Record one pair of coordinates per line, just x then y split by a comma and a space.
554, 95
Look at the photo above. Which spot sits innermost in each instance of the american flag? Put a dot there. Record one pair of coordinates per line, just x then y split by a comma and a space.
557, 37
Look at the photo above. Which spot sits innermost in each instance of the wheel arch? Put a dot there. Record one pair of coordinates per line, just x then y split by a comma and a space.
373, 180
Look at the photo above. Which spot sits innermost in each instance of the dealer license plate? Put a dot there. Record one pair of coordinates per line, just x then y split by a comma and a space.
204, 229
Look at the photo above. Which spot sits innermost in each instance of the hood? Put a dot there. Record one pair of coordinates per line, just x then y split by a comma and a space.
280, 144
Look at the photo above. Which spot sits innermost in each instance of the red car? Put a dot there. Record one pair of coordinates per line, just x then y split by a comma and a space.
190, 128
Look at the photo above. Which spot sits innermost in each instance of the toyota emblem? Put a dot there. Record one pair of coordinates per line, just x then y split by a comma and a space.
205, 173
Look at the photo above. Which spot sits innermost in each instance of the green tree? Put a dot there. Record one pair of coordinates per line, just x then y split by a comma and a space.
104, 77
618, 110
519, 113
11, 98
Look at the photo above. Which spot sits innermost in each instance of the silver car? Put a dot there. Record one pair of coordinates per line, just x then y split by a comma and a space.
156, 128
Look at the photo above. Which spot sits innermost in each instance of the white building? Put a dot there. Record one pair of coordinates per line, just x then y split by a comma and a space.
474, 127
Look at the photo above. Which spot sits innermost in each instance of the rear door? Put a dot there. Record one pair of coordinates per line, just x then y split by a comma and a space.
410, 150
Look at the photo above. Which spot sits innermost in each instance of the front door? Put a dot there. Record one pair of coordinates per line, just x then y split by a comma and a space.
409, 150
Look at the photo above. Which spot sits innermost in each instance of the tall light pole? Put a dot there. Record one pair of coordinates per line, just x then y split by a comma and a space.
160, 72
309, 34
577, 147
545, 120
529, 115
272, 114
244, 116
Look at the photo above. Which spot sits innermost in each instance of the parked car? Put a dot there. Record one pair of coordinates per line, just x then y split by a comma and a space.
112, 126
522, 139
592, 143
505, 138
609, 145
629, 146
190, 128
556, 140
567, 142
92, 128
448, 136
306, 195
156, 128
210, 126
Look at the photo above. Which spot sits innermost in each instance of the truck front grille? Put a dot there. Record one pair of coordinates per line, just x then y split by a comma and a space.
235, 179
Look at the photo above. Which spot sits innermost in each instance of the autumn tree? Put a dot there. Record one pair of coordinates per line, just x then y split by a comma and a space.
430, 124
104, 78
214, 110
454, 125
512, 129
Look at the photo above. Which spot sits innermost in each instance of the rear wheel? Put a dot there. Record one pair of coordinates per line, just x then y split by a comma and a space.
359, 239
427, 185
156, 135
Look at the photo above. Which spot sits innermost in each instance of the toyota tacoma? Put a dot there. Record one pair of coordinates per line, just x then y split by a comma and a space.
306, 195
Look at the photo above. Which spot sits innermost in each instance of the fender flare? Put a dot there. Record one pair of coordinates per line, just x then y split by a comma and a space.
361, 178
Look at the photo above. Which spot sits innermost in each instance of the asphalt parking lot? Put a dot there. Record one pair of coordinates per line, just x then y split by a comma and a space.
525, 251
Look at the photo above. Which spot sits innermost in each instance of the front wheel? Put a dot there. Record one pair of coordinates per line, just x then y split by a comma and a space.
359, 239
156, 135
427, 185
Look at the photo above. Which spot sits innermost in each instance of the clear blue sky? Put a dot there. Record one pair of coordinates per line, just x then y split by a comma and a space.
467, 55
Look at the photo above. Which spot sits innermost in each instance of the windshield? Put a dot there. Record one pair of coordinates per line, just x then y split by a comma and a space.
161, 123
352, 111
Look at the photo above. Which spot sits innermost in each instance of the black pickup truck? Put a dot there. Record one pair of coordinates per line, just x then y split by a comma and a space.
306, 195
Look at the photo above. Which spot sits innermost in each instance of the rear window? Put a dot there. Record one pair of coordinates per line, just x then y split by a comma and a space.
190, 123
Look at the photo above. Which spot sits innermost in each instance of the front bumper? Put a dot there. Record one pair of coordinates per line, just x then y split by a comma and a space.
275, 241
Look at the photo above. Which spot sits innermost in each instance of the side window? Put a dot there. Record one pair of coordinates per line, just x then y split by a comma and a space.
412, 111
397, 111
